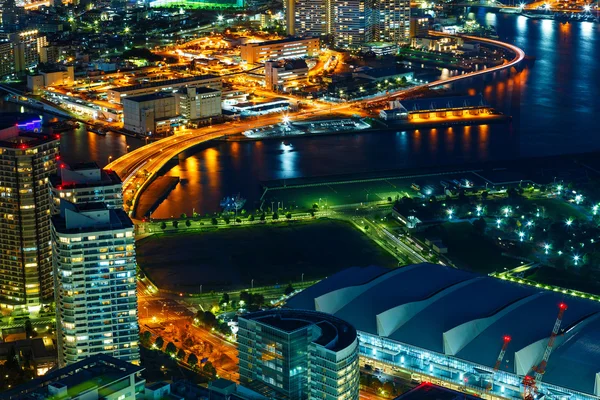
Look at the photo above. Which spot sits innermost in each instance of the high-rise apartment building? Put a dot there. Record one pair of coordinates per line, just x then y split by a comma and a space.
86, 183
297, 355
95, 286
26, 162
351, 23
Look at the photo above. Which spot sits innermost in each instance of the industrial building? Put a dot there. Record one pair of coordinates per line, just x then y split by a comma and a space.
259, 53
27, 160
285, 75
297, 355
441, 107
466, 331
86, 183
198, 103
150, 114
95, 286
116, 95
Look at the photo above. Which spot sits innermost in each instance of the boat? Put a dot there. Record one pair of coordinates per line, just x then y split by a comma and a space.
233, 203
61, 126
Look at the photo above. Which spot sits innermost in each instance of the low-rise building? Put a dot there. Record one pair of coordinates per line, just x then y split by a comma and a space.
86, 183
198, 103
419, 26
258, 53
285, 75
66, 76
116, 95
150, 114
37, 354
93, 378
436, 43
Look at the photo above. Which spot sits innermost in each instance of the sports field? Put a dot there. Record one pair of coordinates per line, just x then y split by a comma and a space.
269, 254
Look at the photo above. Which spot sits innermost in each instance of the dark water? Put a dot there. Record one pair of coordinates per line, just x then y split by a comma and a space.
554, 103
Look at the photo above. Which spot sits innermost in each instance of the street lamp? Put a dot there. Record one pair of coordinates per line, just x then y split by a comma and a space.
547, 247
450, 212
587, 8
498, 222
576, 259
220, 18
521, 234
109, 158
478, 209
569, 222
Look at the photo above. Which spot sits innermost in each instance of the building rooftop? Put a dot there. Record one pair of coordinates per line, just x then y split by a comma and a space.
336, 334
148, 97
165, 82
427, 391
25, 140
279, 41
95, 371
112, 219
73, 178
438, 103
461, 314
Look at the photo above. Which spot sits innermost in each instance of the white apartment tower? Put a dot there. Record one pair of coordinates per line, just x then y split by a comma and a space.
95, 282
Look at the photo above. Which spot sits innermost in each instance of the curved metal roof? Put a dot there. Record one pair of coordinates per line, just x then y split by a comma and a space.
448, 311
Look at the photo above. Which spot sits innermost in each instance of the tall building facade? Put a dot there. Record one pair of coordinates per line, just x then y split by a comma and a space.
27, 161
95, 282
298, 355
352, 23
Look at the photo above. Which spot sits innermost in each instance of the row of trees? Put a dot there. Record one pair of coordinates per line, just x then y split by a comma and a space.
180, 354
227, 220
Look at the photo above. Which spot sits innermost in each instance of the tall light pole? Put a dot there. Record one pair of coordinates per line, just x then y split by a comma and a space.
252, 284
303, 277
109, 158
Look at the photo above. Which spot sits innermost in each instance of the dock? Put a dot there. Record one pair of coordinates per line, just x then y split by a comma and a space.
151, 198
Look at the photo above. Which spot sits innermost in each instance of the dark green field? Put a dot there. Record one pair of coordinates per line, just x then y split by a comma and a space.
269, 254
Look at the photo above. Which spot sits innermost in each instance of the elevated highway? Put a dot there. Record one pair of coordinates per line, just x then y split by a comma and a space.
139, 167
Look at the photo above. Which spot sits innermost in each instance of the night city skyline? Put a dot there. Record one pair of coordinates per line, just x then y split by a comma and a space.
299, 199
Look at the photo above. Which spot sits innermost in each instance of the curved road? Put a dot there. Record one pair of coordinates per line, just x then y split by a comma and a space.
138, 168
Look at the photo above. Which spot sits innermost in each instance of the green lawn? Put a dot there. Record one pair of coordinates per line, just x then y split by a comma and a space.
571, 278
470, 250
270, 254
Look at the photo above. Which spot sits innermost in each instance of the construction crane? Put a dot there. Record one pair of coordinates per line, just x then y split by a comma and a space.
530, 383
506, 340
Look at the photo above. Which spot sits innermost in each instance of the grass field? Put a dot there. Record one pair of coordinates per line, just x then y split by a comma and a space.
469, 249
569, 279
269, 254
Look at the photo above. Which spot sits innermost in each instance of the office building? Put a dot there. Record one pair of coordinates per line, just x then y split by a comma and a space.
419, 26
353, 23
259, 53
297, 354
27, 160
28, 45
100, 377
198, 103
391, 21
447, 326
7, 57
150, 114
94, 270
285, 75
86, 183
169, 86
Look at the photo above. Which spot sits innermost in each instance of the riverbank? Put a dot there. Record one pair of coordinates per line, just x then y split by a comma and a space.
156, 192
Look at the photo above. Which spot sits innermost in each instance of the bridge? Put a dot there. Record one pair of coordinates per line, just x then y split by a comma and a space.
139, 167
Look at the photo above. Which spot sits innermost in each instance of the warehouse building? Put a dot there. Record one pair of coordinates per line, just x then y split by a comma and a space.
448, 326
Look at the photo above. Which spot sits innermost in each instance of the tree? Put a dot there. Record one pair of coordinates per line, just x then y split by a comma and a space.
245, 297
192, 360
29, 332
262, 217
188, 223
225, 298
146, 336
163, 226
389, 388
315, 206
479, 226
389, 199
484, 195
171, 348
159, 342
209, 369
251, 217
275, 215
183, 216
175, 224
214, 221
226, 219
289, 289
181, 354
376, 384
238, 221
312, 213
209, 319
288, 215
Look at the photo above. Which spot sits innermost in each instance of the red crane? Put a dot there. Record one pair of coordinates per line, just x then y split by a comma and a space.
530, 382
506, 340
